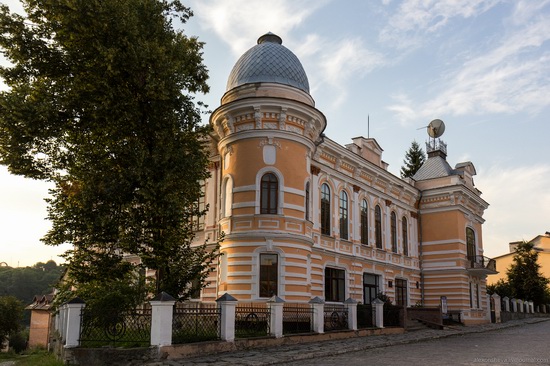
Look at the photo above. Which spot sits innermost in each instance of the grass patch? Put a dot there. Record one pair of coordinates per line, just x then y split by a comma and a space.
31, 358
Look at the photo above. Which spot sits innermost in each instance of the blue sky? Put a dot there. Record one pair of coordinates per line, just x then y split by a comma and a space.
483, 67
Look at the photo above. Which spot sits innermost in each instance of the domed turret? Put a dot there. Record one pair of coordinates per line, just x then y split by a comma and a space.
268, 62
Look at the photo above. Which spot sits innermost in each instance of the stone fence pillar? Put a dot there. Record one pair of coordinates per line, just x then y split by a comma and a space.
496, 301
514, 303
506, 303
227, 304
531, 307
351, 304
276, 305
521, 308
318, 306
378, 318
74, 316
162, 313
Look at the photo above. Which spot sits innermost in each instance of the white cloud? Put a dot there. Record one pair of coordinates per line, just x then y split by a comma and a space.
512, 77
519, 205
415, 19
237, 22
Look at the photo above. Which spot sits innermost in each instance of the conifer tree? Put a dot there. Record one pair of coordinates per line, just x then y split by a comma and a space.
414, 158
524, 277
100, 104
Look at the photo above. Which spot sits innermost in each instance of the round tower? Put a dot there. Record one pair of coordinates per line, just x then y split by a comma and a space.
267, 128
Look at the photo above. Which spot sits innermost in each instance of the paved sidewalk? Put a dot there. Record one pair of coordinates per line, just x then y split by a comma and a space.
296, 352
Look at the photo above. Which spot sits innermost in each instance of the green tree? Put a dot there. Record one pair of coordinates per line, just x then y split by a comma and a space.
414, 158
100, 104
11, 313
502, 288
524, 276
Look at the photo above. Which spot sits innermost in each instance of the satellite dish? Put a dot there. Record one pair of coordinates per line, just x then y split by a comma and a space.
436, 128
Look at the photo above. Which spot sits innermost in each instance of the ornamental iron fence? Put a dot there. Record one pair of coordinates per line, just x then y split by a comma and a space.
115, 327
393, 315
297, 318
364, 316
335, 317
252, 320
195, 322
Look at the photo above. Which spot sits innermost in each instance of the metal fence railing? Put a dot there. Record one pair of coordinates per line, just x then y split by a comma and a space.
113, 327
335, 317
252, 320
364, 316
297, 318
195, 322
393, 315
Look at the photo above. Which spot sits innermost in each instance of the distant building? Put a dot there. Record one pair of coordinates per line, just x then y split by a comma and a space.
40, 320
304, 216
503, 262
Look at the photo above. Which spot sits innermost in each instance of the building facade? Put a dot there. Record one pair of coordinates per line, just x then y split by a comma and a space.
541, 243
304, 216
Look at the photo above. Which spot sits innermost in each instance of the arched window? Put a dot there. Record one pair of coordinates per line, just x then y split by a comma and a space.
471, 244
393, 233
378, 226
307, 201
405, 232
364, 222
268, 195
325, 209
343, 215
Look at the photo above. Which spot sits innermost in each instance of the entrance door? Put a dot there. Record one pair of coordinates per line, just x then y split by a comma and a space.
370, 287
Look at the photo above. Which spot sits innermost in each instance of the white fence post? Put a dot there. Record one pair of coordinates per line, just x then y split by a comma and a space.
506, 303
162, 313
276, 305
227, 304
351, 305
318, 306
514, 305
496, 301
378, 318
521, 308
73, 316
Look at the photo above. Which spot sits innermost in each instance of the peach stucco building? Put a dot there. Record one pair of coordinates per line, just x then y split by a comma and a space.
541, 243
304, 216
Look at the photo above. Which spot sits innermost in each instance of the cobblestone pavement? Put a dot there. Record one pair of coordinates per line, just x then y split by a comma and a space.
296, 352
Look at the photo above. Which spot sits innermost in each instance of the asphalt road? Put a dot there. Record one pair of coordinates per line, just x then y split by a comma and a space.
524, 345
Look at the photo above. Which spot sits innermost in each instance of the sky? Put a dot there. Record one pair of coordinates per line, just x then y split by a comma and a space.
483, 67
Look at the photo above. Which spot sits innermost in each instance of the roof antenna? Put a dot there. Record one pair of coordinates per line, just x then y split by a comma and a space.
368, 126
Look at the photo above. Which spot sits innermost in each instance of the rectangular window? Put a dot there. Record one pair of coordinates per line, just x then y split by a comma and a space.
477, 296
325, 210
269, 275
401, 292
370, 287
200, 206
335, 285
364, 223
471, 296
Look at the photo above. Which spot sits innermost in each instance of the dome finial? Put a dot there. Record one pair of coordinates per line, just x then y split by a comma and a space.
270, 37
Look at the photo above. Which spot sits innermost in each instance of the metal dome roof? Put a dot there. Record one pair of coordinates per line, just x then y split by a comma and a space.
268, 61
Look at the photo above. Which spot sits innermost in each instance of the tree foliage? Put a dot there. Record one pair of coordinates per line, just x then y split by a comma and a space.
99, 104
414, 158
11, 313
26, 282
524, 277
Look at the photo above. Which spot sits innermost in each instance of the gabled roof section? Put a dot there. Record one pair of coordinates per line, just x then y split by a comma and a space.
434, 167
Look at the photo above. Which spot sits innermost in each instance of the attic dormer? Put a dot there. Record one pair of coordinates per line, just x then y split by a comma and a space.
369, 150
467, 171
